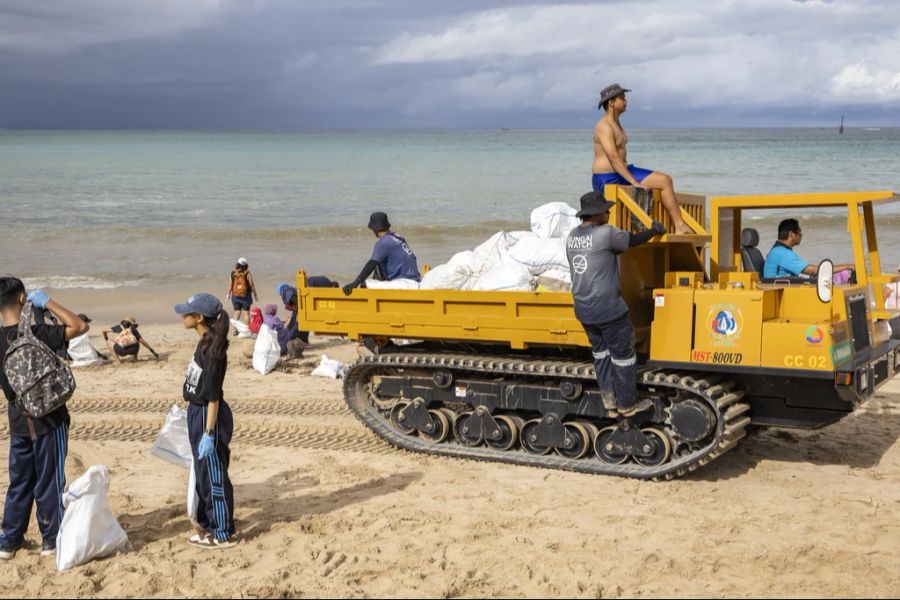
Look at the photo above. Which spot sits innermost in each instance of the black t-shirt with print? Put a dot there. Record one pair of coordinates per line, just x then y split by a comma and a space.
55, 338
204, 378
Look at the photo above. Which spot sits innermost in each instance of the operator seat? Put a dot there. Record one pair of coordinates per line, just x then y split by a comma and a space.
751, 258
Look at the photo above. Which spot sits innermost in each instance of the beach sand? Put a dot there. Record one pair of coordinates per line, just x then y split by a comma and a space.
325, 509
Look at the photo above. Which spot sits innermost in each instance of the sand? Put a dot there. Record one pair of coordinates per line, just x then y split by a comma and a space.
326, 509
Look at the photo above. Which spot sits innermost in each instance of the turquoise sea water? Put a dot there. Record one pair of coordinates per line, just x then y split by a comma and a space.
104, 209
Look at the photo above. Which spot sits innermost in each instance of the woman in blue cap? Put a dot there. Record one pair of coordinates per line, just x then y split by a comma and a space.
209, 420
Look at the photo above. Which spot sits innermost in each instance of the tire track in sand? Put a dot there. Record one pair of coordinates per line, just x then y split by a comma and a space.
311, 437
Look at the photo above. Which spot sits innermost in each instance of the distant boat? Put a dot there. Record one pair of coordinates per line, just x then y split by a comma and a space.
841, 130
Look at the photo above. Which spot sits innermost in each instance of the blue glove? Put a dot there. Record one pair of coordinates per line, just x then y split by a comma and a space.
207, 446
38, 298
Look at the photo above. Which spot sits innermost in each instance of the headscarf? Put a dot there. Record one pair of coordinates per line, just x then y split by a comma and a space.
270, 316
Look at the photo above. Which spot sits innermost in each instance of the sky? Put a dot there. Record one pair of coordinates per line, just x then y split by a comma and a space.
95, 64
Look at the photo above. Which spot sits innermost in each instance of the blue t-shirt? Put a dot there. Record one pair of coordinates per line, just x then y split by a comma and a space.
783, 262
395, 258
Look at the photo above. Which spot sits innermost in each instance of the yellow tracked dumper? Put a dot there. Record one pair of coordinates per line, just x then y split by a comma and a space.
508, 376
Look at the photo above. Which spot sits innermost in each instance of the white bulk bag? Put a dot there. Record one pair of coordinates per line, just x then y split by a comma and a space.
89, 529
243, 330
446, 277
329, 368
393, 284
266, 352
555, 280
554, 220
82, 352
505, 277
172, 443
539, 254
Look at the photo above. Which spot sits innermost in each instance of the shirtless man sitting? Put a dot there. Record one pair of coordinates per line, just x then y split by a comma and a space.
610, 165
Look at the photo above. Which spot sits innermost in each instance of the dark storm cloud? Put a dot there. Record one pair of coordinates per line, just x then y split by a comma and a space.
258, 63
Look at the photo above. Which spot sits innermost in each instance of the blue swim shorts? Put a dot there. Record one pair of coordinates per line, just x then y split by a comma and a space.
242, 302
601, 179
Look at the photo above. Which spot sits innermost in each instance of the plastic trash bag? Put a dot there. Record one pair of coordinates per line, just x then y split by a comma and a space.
243, 330
554, 220
172, 443
539, 255
82, 352
266, 352
329, 368
89, 529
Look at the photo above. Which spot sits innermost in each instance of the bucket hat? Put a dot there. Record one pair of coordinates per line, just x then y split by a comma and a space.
610, 92
592, 204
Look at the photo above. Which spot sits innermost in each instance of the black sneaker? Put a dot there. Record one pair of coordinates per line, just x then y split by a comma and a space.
48, 548
8, 552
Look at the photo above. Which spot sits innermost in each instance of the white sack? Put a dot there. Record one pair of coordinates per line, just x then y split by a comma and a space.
266, 352
555, 280
506, 277
243, 330
539, 255
447, 277
82, 352
554, 220
394, 284
329, 368
172, 443
89, 529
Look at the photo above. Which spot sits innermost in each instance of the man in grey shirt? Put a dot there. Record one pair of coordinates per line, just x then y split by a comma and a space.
593, 250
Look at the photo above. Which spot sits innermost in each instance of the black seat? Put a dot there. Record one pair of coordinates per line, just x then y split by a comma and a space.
751, 258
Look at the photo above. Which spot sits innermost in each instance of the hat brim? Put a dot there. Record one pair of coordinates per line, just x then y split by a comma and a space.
184, 309
599, 209
610, 97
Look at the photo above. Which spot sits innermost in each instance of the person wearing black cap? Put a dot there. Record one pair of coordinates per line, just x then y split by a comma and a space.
592, 249
209, 418
391, 259
610, 157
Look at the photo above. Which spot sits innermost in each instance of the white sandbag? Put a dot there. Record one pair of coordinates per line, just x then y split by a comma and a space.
89, 529
446, 277
489, 253
266, 352
554, 280
554, 220
329, 368
505, 277
82, 352
393, 284
172, 443
243, 330
539, 254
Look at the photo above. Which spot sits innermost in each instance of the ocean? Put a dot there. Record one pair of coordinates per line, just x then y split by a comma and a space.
108, 209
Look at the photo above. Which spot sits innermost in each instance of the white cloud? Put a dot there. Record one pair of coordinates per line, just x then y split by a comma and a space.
699, 54
45, 27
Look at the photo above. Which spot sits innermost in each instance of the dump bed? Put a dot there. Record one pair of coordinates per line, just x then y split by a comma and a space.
518, 319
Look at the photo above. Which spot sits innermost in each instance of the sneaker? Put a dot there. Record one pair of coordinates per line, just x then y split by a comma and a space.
207, 541
639, 407
8, 552
48, 549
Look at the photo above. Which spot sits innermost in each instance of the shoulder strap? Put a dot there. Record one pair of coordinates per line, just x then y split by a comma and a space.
25, 321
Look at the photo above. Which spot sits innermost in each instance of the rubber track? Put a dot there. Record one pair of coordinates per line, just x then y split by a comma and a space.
317, 408
716, 391
313, 437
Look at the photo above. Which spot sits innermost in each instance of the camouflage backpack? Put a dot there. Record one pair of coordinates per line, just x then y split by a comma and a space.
41, 381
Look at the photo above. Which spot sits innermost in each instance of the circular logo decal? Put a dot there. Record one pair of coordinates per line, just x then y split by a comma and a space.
579, 264
724, 323
814, 335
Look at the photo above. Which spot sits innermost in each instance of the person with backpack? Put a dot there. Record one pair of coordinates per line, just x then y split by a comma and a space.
242, 291
209, 420
128, 340
38, 440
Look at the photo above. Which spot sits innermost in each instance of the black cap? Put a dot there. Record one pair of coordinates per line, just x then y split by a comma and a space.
592, 204
378, 221
610, 92
84, 317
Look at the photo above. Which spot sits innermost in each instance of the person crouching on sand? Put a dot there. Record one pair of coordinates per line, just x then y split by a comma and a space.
209, 420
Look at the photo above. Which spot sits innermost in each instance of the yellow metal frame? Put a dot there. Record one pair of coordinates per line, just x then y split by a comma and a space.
858, 225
